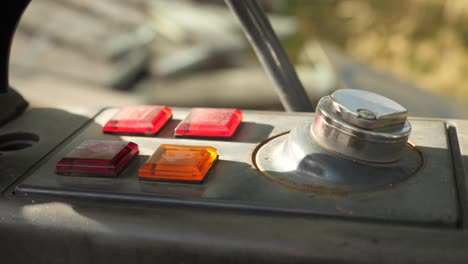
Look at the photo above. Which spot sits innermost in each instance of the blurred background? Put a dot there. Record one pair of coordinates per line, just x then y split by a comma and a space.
194, 53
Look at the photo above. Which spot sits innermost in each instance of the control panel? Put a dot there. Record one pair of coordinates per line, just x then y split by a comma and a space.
335, 163
357, 171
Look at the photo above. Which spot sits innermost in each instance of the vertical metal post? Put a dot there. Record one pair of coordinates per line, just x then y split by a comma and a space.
271, 54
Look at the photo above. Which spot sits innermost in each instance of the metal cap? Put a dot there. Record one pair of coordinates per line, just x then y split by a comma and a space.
361, 125
367, 110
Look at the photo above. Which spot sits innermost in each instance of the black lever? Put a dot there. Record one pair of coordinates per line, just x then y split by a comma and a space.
12, 103
10, 13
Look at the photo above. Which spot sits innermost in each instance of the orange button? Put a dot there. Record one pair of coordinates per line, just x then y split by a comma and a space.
179, 162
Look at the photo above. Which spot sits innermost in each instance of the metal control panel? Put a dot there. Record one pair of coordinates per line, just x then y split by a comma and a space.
242, 211
240, 179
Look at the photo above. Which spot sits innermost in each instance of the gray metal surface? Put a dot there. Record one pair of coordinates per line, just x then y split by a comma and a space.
458, 129
235, 183
57, 229
49, 126
271, 54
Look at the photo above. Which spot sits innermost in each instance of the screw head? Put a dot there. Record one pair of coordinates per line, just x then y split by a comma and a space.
366, 114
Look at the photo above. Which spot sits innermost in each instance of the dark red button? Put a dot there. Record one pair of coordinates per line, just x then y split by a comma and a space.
142, 119
97, 158
210, 122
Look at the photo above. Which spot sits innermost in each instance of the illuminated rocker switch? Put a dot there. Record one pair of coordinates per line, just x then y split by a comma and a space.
179, 163
210, 122
142, 119
97, 158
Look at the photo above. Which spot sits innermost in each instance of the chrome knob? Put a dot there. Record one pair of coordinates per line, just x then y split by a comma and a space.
361, 125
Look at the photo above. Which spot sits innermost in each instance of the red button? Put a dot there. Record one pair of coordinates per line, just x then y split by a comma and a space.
143, 119
97, 158
210, 122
